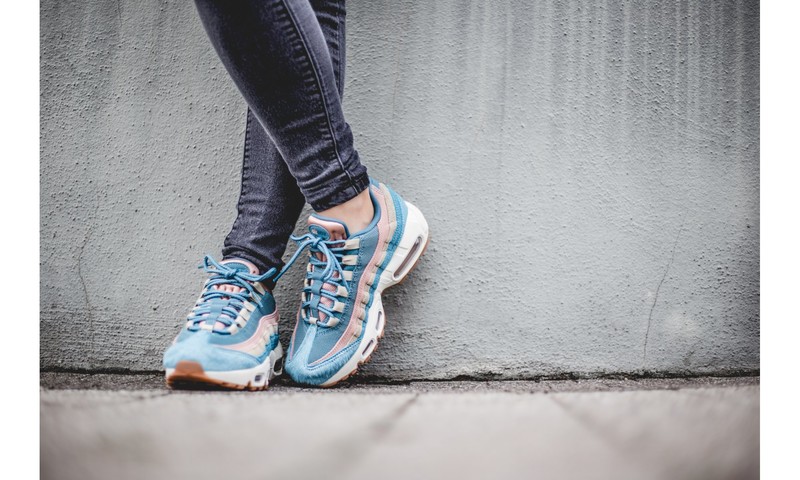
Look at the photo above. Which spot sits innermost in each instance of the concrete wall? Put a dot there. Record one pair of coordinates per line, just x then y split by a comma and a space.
589, 170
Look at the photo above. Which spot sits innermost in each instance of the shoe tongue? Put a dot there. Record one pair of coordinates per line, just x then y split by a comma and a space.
327, 228
240, 265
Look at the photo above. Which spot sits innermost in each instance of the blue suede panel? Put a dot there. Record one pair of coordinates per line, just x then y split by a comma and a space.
400, 207
274, 340
184, 334
297, 367
197, 349
299, 334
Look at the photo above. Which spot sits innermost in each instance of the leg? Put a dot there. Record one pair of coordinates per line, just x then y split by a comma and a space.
219, 346
277, 55
270, 201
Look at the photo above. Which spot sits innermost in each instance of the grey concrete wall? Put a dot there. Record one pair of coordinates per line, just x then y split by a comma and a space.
589, 171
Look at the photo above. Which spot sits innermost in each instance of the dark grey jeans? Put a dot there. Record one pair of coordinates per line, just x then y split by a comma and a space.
287, 58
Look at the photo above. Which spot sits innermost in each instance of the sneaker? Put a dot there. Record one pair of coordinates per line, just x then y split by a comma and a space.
231, 335
341, 316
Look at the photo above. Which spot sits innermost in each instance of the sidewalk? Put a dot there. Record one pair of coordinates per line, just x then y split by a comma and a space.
131, 427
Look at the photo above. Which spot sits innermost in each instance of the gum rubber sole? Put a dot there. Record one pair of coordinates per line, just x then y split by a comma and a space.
380, 335
190, 375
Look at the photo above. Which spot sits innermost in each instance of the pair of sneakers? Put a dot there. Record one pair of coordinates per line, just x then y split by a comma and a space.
231, 340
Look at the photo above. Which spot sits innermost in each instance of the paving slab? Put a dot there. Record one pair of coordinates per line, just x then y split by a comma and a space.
604, 428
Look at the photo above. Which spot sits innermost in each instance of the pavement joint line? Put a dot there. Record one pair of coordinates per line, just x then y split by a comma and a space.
605, 436
383, 427
345, 455
588, 425
53, 381
380, 429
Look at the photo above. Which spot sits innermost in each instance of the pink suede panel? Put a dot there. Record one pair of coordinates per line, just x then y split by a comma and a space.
384, 234
264, 323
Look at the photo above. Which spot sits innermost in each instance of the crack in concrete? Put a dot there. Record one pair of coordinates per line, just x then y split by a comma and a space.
88, 302
658, 289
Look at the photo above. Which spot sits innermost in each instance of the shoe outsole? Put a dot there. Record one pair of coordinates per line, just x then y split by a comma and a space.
190, 375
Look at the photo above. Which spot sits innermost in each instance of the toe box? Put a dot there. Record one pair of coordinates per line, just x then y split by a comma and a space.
198, 348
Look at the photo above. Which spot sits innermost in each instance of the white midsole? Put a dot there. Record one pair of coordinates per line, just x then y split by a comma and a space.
415, 232
258, 376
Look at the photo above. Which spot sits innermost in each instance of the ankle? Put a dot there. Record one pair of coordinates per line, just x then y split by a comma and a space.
356, 213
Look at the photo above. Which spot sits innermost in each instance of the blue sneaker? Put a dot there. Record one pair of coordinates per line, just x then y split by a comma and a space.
341, 316
231, 335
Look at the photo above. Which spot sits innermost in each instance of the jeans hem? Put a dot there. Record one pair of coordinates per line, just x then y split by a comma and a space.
343, 188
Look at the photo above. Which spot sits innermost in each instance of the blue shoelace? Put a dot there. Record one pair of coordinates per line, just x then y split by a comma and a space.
221, 306
322, 272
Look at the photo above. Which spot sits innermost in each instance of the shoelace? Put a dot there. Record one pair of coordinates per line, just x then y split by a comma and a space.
221, 306
327, 271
